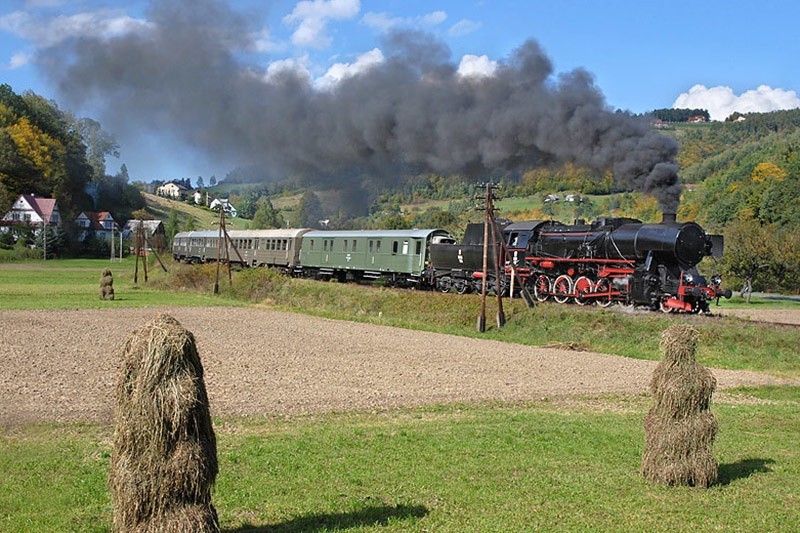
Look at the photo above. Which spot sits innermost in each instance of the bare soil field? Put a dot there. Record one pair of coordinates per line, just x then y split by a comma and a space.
775, 316
62, 365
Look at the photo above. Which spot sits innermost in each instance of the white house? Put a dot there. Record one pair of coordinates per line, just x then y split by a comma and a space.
33, 211
200, 198
171, 190
223, 203
102, 224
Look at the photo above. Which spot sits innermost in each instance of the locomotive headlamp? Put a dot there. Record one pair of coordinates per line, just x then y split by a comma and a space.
716, 280
687, 277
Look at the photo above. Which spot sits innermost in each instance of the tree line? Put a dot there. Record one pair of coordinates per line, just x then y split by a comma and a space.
48, 152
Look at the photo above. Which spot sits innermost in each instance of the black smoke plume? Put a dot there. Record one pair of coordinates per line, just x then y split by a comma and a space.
412, 113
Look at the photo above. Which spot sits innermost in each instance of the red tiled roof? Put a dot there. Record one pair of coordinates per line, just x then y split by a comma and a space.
96, 219
44, 207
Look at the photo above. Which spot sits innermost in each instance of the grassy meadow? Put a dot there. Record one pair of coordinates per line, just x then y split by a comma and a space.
554, 464
539, 466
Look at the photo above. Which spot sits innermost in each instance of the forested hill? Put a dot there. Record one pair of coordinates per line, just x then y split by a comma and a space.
748, 168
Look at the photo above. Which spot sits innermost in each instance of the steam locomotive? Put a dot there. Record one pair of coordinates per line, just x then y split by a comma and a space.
611, 260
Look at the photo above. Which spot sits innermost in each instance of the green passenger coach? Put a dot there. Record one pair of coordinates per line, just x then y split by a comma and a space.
401, 257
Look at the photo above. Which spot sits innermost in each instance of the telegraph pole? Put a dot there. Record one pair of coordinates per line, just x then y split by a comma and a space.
488, 219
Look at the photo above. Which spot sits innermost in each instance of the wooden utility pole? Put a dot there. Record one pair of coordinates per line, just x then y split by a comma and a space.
498, 289
219, 248
488, 221
482, 315
222, 236
139, 249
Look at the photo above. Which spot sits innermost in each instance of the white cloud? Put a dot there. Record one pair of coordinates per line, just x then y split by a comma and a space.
383, 21
262, 42
19, 60
297, 65
476, 66
433, 19
721, 101
48, 32
341, 71
463, 27
311, 18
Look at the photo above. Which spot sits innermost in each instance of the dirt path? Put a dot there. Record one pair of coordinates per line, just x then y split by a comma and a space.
62, 365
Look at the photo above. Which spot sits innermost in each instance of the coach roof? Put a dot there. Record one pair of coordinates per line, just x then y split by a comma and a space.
373, 234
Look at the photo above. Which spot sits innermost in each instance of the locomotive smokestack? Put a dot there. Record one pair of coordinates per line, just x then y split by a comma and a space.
668, 218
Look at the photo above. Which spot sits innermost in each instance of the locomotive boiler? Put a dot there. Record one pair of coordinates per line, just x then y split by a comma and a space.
610, 260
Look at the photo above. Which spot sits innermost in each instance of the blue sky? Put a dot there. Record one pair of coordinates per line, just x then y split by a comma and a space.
721, 55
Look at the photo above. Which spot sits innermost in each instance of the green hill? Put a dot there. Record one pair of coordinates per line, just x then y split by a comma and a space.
204, 218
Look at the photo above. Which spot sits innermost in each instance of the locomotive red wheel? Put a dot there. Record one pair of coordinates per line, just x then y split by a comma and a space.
603, 285
665, 308
583, 286
541, 288
562, 288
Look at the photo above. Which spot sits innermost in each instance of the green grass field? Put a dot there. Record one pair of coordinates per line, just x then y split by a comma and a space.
545, 465
74, 284
555, 464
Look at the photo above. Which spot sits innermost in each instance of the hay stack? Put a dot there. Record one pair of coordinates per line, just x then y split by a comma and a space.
679, 428
106, 285
164, 460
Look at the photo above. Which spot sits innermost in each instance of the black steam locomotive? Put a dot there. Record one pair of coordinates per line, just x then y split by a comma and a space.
611, 260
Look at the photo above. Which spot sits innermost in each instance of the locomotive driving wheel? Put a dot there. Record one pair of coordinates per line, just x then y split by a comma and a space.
664, 307
541, 288
583, 286
603, 285
562, 288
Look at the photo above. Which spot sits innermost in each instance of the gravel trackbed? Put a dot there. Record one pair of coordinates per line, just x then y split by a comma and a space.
62, 365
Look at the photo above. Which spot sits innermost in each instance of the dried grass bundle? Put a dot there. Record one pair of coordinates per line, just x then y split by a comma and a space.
106, 285
679, 428
164, 461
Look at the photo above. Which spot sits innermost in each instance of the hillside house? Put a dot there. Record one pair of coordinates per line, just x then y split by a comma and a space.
33, 211
201, 197
101, 224
223, 203
172, 190
154, 233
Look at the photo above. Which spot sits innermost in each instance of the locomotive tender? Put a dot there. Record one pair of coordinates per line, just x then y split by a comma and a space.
611, 260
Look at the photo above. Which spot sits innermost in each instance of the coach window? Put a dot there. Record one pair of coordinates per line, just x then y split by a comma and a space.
324, 245
344, 245
419, 248
370, 246
405, 247
394, 247
377, 247
353, 249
